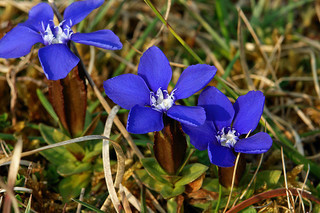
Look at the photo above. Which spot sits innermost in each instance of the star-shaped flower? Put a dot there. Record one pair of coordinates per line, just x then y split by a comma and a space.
146, 96
225, 123
56, 58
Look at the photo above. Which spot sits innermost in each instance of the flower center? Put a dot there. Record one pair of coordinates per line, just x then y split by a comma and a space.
227, 137
161, 101
56, 34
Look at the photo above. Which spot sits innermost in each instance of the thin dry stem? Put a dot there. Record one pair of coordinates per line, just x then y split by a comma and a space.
81, 199
253, 177
290, 207
243, 60
232, 184
12, 175
107, 165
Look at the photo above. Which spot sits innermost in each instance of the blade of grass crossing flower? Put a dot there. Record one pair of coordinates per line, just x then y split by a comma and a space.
100, 15
116, 15
183, 43
137, 45
229, 68
187, 47
216, 37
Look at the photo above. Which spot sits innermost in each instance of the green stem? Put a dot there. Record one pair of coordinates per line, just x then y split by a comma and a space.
219, 199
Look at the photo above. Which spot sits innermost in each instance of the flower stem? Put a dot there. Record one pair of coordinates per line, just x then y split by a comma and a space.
103, 102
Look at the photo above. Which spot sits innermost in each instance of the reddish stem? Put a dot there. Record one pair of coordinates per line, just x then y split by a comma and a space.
270, 194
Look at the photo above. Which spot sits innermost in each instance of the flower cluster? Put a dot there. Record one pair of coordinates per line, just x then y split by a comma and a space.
215, 124
56, 58
146, 95
226, 123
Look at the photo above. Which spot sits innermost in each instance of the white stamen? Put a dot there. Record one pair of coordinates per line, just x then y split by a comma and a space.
163, 101
229, 139
60, 36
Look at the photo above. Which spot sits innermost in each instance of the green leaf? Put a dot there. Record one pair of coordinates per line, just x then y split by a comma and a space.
191, 172
93, 208
249, 210
58, 155
89, 154
52, 136
46, 104
154, 169
92, 125
169, 192
172, 205
150, 182
143, 200
268, 177
71, 186
72, 168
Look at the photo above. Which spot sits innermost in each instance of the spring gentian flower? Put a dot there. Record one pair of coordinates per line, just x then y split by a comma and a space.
146, 96
56, 58
225, 123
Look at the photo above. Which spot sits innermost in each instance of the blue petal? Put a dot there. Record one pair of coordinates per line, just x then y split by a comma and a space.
18, 42
256, 144
248, 110
77, 11
142, 120
193, 79
39, 15
105, 39
220, 155
127, 90
57, 61
217, 106
155, 69
200, 136
194, 116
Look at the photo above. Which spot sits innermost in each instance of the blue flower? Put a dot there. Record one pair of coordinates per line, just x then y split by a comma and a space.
225, 123
146, 96
56, 58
